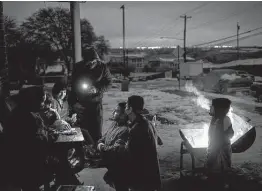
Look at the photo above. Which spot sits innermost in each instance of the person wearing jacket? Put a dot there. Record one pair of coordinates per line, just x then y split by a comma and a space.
27, 141
60, 103
64, 110
109, 145
143, 165
145, 113
90, 79
219, 146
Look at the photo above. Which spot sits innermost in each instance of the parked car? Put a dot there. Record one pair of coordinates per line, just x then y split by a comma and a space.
117, 80
256, 91
245, 74
222, 81
55, 72
142, 78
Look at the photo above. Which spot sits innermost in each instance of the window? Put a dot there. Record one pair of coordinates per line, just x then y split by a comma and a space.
139, 59
139, 65
155, 64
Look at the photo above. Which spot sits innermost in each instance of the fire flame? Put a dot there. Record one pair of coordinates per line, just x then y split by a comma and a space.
240, 126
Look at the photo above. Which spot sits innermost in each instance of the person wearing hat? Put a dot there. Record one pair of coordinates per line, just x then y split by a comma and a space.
90, 79
143, 166
219, 145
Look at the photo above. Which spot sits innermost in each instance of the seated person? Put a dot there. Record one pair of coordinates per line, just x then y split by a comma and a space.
60, 104
135, 162
116, 135
219, 146
26, 141
48, 114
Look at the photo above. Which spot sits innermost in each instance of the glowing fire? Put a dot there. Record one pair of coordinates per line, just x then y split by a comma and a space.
240, 126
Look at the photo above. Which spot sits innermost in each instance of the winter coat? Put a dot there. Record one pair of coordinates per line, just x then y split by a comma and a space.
143, 168
113, 138
26, 143
219, 147
63, 110
97, 74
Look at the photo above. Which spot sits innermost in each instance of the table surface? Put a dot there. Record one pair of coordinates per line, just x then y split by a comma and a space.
195, 137
75, 188
78, 137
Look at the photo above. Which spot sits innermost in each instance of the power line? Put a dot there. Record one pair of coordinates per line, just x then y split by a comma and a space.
211, 22
228, 37
169, 26
242, 38
197, 8
156, 33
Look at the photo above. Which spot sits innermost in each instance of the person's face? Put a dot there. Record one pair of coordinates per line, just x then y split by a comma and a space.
49, 105
62, 94
128, 109
119, 115
212, 111
39, 104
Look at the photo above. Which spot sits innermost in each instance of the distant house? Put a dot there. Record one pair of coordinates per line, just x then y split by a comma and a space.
135, 60
165, 62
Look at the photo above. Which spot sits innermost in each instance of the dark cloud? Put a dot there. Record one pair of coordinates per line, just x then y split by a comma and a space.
146, 22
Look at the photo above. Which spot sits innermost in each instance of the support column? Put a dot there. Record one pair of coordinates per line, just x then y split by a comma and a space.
76, 30
4, 82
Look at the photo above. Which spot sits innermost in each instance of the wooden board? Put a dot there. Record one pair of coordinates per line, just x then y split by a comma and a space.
78, 137
75, 188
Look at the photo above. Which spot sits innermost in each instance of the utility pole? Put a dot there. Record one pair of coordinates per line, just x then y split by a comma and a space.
124, 38
185, 17
125, 82
178, 59
238, 27
76, 31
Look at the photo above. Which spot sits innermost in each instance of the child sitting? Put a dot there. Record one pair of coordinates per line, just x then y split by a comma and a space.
220, 132
51, 117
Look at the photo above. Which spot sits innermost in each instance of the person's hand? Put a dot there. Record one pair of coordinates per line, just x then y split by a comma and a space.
93, 90
74, 118
100, 146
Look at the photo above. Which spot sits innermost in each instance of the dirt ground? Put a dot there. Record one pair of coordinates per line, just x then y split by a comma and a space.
175, 110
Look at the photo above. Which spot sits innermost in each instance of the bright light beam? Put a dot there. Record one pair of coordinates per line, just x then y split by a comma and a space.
240, 126
85, 86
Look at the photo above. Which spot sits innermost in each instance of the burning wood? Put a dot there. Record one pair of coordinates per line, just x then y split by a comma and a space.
240, 126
